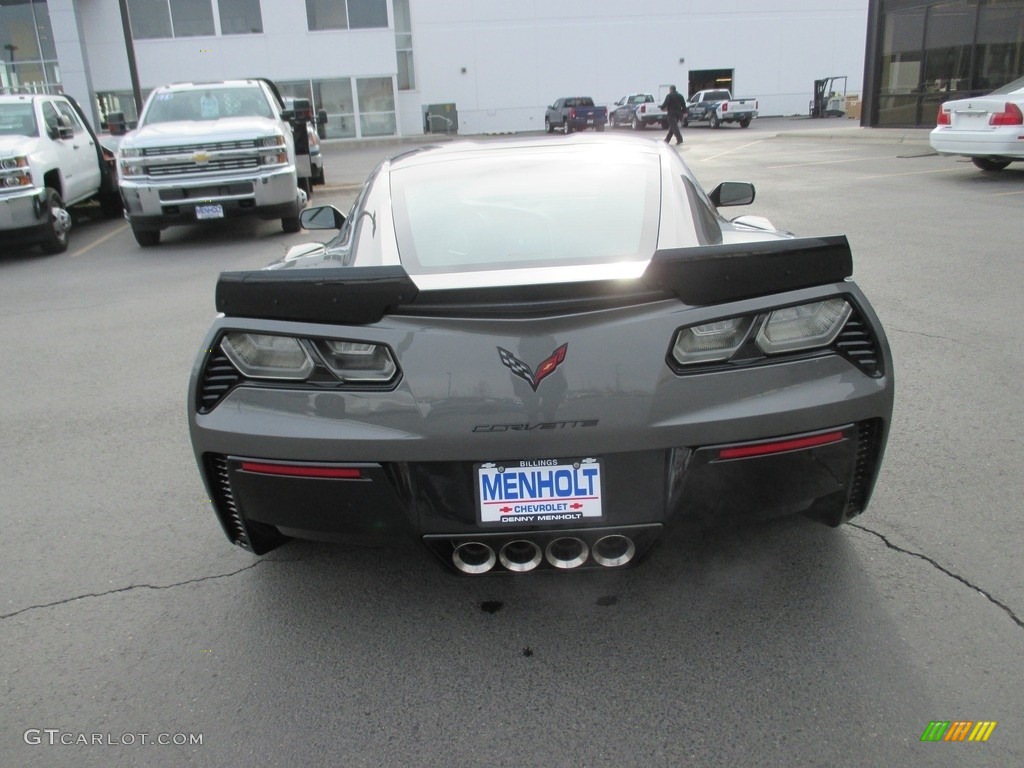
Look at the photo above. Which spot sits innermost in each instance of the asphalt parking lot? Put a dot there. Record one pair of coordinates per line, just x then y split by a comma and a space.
127, 619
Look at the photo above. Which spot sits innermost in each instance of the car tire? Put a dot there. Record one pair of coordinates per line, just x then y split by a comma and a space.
320, 179
548, 128
636, 124
989, 164
715, 122
745, 122
291, 224
566, 128
55, 237
147, 238
611, 120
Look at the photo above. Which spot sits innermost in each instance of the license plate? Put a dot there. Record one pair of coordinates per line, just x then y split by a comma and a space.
590, 121
209, 211
539, 491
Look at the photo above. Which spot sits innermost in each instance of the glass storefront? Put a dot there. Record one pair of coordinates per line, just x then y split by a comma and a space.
931, 52
374, 96
28, 56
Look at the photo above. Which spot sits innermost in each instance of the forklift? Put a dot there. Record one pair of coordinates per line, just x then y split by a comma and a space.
828, 102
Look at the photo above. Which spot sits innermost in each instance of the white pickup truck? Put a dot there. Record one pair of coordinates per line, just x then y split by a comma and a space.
50, 160
718, 106
638, 111
206, 151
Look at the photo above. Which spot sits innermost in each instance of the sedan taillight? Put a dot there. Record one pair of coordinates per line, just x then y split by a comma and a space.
1011, 115
943, 117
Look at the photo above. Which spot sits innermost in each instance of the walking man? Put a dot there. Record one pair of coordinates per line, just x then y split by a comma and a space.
675, 106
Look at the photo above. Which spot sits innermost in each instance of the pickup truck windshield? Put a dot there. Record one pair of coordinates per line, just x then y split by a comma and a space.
207, 104
531, 210
17, 120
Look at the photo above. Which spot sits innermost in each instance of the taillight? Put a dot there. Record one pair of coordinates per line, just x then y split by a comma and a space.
1011, 115
943, 117
725, 106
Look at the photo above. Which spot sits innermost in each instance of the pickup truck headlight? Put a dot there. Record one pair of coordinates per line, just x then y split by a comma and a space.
129, 152
277, 140
273, 150
16, 172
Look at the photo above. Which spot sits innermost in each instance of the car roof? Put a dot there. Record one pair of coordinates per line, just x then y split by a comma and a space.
581, 143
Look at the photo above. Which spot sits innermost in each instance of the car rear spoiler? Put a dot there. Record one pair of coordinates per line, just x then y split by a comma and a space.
700, 276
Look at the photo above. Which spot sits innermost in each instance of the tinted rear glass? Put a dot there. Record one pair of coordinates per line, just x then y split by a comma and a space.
527, 209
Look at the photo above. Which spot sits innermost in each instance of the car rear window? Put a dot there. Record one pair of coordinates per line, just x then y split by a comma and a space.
526, 209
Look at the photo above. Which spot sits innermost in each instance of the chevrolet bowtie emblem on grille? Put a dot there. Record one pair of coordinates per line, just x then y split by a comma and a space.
200, 157
524, 372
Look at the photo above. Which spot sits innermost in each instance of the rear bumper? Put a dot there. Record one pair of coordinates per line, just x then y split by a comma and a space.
1009, 145
644, 492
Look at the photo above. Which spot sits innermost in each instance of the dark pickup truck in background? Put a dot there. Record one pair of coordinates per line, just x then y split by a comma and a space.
575, 113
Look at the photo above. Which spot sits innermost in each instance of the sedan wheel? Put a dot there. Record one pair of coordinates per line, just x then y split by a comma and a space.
989, 163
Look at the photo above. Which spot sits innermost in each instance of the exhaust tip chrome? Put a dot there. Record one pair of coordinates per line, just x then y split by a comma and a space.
520, 555
566, 552
613, 550
473, 557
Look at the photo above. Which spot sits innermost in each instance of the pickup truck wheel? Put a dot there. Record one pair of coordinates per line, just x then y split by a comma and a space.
636, 124
566, 128
611, 120
55, 237
715, 122
745, 122
291, 224
147, 238
548, 128
111, 205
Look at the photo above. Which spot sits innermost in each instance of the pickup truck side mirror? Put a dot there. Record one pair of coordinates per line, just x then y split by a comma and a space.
732, 193
322, 217
116, 124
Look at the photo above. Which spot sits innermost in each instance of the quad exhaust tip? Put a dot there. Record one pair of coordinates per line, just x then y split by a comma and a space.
614, 550
473, 557
566, 552
520, 555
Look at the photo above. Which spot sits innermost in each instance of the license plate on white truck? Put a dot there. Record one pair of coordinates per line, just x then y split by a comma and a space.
209, 212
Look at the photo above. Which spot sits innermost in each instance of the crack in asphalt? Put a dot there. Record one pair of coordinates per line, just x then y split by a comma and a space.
130, 588
895, 329
934, 563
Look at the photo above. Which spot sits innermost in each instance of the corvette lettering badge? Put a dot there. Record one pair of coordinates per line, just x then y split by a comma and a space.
524, 372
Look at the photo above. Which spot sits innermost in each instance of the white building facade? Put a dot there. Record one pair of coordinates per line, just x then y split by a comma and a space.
394, 67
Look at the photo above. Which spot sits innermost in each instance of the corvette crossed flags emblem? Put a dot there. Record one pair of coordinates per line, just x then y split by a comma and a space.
527, 374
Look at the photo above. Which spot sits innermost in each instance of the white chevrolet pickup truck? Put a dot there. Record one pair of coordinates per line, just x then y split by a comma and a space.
717, 106
50, 160
207, 151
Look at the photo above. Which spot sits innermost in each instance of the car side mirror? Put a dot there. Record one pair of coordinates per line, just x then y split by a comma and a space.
322, 217
732, 193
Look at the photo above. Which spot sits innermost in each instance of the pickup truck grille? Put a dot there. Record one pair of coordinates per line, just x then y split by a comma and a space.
205, 157
215, 146
214, 166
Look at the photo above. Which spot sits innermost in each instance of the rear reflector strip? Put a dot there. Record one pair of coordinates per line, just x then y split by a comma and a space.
291, 470
781, 446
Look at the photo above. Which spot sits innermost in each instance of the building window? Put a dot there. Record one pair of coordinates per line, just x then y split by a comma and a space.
346, 14
28, 56
240, 17
403, 46
160, 19
376, 106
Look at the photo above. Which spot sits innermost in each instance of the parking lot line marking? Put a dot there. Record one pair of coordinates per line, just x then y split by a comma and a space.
830, 162
102, 240
730, 151
908, 173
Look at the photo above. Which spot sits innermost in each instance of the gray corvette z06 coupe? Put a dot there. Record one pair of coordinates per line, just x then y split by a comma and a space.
538, 355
